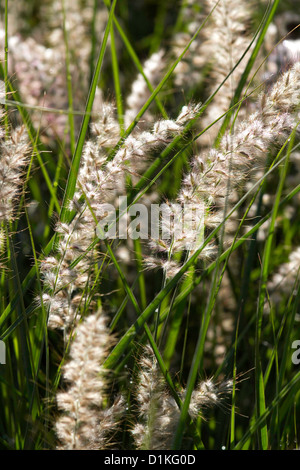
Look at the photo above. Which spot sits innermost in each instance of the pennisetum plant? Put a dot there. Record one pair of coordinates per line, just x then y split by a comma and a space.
129, 326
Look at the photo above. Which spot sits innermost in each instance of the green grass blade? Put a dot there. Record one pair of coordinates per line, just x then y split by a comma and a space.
260, 422
139, 66
162, 82
72, 178
136, 327
33, 135
260, 394
69, 81
266, 23
116, 75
